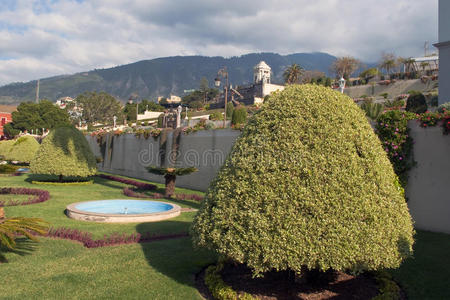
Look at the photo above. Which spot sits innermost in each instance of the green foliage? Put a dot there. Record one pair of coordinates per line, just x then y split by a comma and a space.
230, 109
292, 74
11, 228
7, 169
150, 106
369, 73
216, 116
389, 290
35, 116
372, 110
239, 116
10, 131
393, 131
307, 184
384, 95
444, 107
171, 171
198, 98
5, 147
396, 103
130, 111
218, 288
23, 149
99, 107
64, 152
416, 103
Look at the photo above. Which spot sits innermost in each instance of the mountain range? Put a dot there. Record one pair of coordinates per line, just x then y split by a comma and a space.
161, 76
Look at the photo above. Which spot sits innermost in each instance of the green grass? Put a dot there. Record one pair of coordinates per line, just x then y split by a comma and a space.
21, 198
60, 269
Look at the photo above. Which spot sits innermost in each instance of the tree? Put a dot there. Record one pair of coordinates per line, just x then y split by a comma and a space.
12, 228
99, 107
239, 116
345, 66
292, 74
35, 116
64, 152
298, 192
204, 88
170, 175
23, 149
369, 74
130, 111
424, 65
388, 62
230, 109
150, 106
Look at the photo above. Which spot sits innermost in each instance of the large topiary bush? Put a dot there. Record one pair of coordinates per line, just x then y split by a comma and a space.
23, 149
64, 152
307, 184
416, 103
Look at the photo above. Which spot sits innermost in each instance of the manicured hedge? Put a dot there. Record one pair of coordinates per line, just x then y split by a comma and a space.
40, 196
307, 185
22, 149
5, 146
64, 152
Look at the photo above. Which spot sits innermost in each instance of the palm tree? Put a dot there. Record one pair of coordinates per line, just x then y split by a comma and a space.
388, 62
424, 65
11, 228
170, 175
292, 74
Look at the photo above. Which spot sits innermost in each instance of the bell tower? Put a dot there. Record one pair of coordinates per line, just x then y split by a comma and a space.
261, 73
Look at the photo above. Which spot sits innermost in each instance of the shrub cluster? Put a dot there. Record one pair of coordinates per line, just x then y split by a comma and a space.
239, 116
306, 185
392, 129
114, 239
416, 103
5, 147
22, 149
40, 196
138, 184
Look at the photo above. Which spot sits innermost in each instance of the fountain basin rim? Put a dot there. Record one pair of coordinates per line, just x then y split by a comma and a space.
77, 214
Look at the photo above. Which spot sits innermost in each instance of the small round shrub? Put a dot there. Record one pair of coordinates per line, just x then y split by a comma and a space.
23, 149
216, 116
64, 152
416, 103
307, 184
239, 116
443, 107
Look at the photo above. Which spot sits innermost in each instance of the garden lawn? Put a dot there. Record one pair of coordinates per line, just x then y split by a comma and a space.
62, 269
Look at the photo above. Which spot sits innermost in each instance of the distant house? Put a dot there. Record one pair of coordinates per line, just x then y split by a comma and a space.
425, 63
5, 117
172, 99
444, 51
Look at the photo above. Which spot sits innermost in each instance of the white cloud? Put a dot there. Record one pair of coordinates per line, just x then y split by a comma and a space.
44, 38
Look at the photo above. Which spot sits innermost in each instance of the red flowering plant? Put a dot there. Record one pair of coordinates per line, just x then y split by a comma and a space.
392, 129
446, 121
429, 119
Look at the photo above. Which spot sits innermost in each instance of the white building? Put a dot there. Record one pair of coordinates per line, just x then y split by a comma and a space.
444, 51
261, 87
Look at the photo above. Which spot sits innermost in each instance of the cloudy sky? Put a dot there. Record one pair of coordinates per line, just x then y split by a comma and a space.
41, 38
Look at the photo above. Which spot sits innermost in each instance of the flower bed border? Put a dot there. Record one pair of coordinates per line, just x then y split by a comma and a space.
114, 239
41, 196
138, 184
131, 193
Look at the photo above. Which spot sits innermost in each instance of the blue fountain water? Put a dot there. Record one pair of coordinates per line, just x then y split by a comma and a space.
126, 207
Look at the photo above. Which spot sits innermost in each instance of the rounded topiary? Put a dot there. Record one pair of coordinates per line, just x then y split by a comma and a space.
64, 152
307, 184
23, 149
416, 103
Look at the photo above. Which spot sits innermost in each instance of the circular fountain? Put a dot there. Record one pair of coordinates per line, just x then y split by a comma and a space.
122, 211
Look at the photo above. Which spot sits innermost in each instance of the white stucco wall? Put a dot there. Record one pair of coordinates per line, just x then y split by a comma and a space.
270, 88
149, 115
444, 21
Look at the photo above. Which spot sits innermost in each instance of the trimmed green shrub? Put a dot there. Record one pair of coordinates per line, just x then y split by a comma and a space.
216, 116
442, 108
239, 116
307, 185
23, 149
230, 109
416, 103
64, 152
5, 146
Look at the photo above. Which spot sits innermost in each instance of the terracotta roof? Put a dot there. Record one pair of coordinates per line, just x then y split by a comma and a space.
7, 108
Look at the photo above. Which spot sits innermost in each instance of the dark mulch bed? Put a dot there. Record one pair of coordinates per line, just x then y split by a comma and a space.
284, 285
